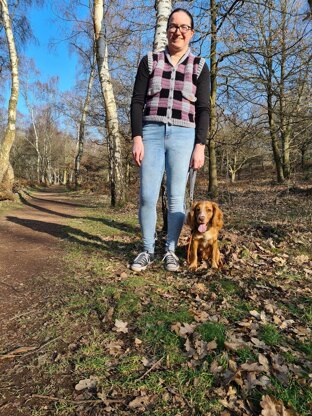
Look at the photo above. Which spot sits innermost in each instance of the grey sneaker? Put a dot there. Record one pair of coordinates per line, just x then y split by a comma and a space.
171, 262
141, 261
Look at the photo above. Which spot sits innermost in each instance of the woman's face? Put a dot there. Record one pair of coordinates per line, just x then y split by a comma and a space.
178, 41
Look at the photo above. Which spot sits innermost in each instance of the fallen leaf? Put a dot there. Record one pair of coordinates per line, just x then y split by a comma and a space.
255, 314
254, 367
279, 260
263, 317
257, 342
199, 288
201, 316
146, 362
232, 365
109, 315
274, 407
212, 345
186, 329
87, 383
264, 381
215, 367
264, 362
189, 349
201, 349
141, 402
303, 258
233, 346
121, 326
138, 342
115, 347
231, 391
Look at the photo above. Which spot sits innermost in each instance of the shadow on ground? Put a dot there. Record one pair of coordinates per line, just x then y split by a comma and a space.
109, 222
116, 248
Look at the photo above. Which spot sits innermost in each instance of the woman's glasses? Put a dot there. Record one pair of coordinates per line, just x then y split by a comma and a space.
183, 28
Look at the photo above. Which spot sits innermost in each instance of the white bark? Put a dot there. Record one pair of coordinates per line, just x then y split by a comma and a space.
112, 126
6, 172
163, 10
82, 123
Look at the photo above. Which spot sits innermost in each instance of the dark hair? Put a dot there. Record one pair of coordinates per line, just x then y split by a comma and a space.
181, 10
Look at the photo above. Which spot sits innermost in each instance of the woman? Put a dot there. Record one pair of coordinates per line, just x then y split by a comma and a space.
169, 121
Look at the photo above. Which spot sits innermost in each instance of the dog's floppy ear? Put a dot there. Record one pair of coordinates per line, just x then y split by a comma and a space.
217, 219
190, 218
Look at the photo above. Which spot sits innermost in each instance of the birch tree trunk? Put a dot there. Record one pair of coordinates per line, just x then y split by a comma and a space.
82, 123
33, 122
163, 10
6, 171
112, 127
213, 181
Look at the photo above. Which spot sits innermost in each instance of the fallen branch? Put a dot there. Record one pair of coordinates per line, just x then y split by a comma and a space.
25, 351
77, 402
151, 369
43, 345
10, 286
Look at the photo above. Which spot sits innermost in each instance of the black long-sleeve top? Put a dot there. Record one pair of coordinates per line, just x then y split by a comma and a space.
201, 105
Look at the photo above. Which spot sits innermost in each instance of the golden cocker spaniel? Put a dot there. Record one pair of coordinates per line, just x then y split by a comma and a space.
206, 220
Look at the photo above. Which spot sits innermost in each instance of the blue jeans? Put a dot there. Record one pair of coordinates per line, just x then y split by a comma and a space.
166, 148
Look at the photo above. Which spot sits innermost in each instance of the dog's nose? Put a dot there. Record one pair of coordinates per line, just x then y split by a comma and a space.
201, 217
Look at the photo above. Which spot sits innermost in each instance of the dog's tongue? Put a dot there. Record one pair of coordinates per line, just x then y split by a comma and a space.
202, 228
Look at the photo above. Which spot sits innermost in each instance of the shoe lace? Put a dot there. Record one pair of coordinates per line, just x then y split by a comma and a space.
142, 259
171, 258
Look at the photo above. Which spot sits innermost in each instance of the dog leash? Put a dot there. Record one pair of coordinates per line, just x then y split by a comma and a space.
192, 175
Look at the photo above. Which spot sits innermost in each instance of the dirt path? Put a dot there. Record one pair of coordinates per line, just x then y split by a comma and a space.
30, 251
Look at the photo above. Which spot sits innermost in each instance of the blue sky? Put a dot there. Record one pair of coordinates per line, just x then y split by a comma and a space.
50, 62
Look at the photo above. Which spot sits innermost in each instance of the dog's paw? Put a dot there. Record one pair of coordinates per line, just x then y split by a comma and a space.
193, 267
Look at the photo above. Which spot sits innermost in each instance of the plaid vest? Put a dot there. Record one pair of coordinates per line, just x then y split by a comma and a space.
171, 93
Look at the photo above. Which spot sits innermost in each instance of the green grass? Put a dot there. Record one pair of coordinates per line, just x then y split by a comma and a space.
155, 328
129, 367
305, 347
229, 287
7, 206
270, 335
244, 355
210, 331
97, 280
128, 304
240, 309
296, 395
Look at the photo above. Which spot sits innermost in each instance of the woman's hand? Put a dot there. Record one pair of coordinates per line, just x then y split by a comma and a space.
138, 150
198, 156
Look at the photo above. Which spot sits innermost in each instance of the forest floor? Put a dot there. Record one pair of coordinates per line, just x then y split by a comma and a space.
82, 335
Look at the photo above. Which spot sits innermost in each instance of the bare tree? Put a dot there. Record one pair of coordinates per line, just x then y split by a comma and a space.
272, 71
28, 68
82, 123
219, 14
213, 181
112, 126
6, 171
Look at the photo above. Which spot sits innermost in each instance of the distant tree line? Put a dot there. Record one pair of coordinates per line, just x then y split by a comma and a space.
260, 58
